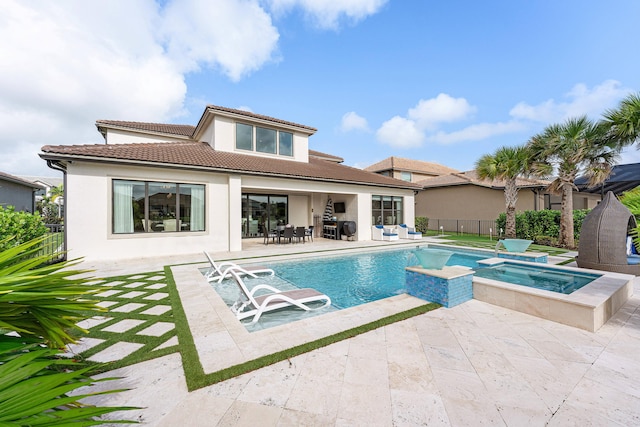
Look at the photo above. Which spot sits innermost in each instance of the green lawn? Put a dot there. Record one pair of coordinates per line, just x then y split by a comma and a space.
484, 242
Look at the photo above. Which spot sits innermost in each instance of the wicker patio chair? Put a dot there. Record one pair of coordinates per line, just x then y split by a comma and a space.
603, 237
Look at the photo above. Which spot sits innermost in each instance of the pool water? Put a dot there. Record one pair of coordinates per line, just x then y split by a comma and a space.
539, 277
356, 279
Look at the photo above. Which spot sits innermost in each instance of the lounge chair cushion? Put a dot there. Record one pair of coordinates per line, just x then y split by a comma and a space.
633, 259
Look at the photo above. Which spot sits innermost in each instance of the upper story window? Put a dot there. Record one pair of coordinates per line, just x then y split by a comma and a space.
265, 140
405, 176
244, 137
268, 141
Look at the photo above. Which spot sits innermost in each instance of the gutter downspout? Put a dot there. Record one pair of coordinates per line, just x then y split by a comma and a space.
59, 167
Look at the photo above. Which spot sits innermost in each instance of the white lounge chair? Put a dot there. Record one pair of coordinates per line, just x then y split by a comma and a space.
219, 271
379, 232
408, 232
274, 299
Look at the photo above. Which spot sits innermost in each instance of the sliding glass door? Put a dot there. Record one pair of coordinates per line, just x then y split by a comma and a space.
262, 212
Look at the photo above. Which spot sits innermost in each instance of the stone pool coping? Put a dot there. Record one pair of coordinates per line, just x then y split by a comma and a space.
588, 308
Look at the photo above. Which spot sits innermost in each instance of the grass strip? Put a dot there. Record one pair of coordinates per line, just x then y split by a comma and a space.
194, 373
261, 362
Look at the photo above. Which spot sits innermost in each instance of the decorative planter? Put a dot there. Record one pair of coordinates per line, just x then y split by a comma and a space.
516, 245
432, 259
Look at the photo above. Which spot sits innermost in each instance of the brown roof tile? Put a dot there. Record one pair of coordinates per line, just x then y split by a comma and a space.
399, 163
325, 156
471, 177
201, 155
258, 116
18, 180
171, 129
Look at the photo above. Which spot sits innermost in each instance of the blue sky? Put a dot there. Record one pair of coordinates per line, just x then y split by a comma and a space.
428, 80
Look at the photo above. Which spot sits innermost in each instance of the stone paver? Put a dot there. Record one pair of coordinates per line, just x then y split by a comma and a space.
156, 296
123, 325
84, 344
134, 285
115, 352
128, 308
157, 310
157, 286
132, 294
157, 329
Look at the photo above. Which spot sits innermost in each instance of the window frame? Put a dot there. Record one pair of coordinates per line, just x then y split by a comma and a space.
255, 143
380, 214
141, 221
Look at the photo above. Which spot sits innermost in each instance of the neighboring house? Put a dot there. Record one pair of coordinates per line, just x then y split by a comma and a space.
47, 183
18, 192
622, 178
463, 196
162, 189
409, 170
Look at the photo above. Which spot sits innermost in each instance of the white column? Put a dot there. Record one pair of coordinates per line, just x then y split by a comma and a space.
235, 213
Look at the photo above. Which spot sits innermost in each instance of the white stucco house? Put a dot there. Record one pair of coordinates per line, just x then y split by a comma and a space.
162, 189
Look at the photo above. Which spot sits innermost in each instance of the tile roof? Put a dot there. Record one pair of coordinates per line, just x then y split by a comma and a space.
325, 156
399, 163
18, 180
471, 177
171, 129
200, 155
257, 116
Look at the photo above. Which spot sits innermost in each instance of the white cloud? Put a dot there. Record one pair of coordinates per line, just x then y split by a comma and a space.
234, 35
429, 113
68, 66
477, 132
400, 132
580, 101
352, 121
328, 14
425, 117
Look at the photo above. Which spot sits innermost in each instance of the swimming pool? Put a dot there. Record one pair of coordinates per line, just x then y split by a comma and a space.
356, 279
538, 276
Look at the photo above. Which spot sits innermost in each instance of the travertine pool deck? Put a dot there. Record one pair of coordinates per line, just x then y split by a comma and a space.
473, 364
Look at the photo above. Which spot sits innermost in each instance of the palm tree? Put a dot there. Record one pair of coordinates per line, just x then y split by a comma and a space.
623, 123
577, 146
507, 163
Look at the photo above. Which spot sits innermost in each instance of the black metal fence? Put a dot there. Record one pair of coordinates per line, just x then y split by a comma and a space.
53, 244
480, 227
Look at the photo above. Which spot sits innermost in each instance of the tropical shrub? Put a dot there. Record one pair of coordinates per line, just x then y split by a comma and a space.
41, 300
39, 307
18, 227
422, 224
532, 224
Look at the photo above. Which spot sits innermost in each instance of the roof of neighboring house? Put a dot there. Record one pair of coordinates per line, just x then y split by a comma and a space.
200, 155
471, 178
409, 165
48, 181
622, 178
18, 180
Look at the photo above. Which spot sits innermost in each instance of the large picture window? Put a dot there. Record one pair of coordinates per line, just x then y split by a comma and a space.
147, 207
268, 141
387, 210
